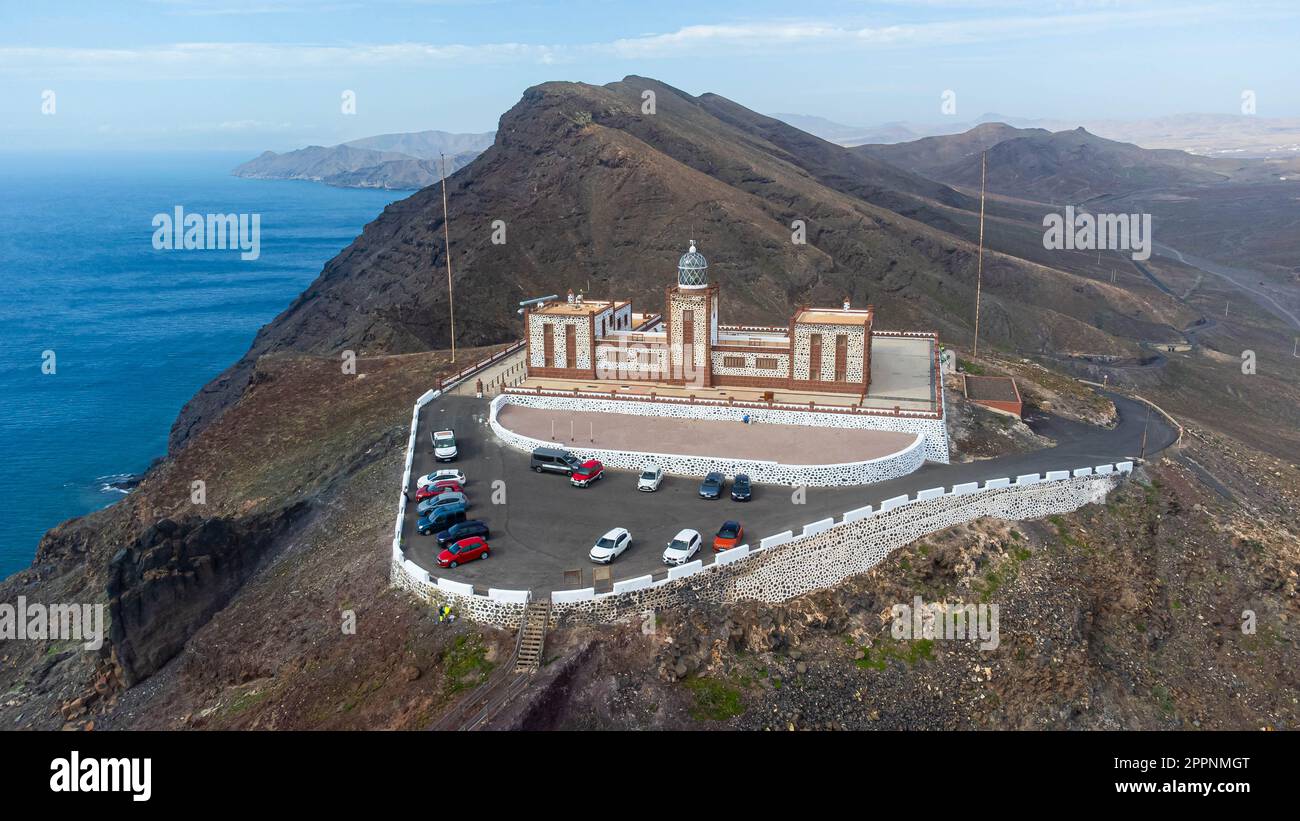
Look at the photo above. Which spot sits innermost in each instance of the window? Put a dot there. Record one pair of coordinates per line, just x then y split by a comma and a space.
688, 329
548, 345
815, 357
766, 363
571, 347
841, 357
733, 361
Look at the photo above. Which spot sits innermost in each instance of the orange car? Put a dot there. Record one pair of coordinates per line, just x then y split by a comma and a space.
729, 535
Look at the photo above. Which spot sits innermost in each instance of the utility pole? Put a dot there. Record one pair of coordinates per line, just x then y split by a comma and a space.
1143, 455
979, 265
446, 239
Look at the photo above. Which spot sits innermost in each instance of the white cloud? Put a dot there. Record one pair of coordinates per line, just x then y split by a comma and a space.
224, 60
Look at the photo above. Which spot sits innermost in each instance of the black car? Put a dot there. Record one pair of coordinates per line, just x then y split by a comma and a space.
740, 488
711, 487
474, 527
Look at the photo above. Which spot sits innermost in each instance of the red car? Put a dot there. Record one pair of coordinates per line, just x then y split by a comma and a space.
437, 489
466, 550
588, 472
729, 535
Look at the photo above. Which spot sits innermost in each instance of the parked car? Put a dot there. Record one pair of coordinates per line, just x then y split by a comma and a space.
443, 499
711, 487
554, 460
444, 446
729, 535
463, 530
437, 489
651, 477
590, 471
740, 491
683, 546
440, 475
466, 550
610, 546
439, 519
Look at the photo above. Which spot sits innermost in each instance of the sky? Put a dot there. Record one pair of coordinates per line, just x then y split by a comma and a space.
272, 74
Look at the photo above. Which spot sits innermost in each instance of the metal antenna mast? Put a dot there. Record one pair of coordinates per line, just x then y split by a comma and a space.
446, 238
979, 265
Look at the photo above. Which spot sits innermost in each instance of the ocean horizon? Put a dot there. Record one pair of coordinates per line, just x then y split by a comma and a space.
130, 332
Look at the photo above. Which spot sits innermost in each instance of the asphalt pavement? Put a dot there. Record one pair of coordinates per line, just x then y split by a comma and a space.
542, 526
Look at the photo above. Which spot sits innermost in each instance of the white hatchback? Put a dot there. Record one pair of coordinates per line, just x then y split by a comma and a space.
683, 546
650, 478
610, 546
438, 475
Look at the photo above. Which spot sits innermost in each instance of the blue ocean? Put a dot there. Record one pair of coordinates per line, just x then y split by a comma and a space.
103, 338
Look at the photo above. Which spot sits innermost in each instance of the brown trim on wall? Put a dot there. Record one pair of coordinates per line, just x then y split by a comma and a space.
777, 382
818, 386
564, 373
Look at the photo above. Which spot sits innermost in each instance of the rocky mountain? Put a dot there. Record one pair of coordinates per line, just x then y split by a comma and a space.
392, 161
596, 195
842, 134
427, 145
226, 613
1054, 167
928, 154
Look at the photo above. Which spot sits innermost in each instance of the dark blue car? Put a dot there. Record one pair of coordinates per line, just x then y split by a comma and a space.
711, 487
439, 519
463, 530
740, 488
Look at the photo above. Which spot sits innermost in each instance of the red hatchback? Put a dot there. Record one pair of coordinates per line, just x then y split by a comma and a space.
437, 489
588, 472
466, 550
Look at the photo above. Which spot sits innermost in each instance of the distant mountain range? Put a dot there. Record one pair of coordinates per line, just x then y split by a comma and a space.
1226, 135
391, 161
1065, 166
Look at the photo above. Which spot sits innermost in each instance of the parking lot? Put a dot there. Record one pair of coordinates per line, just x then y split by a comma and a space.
544, 526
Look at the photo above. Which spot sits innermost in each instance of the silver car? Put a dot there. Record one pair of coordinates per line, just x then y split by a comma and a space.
440, 500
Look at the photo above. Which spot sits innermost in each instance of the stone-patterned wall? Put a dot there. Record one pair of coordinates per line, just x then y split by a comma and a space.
790, 566
500, 607
934, 430
824, 371
640, 361
696, 303
541, 324
781, 371
866, 472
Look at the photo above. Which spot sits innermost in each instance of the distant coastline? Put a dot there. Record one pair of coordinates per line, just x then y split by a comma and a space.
391, 162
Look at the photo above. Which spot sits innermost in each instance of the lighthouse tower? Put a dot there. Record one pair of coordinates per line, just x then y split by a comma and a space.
692, 321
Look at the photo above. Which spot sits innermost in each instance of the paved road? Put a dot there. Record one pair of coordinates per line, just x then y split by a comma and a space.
1236, 277
546, 526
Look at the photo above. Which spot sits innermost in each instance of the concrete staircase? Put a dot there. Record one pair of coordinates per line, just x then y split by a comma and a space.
532, 636
479, 707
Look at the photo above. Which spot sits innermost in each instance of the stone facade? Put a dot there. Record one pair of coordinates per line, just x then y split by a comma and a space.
558, 327
806, 370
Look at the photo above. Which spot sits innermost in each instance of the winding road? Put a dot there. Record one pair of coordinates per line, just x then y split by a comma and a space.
542, 526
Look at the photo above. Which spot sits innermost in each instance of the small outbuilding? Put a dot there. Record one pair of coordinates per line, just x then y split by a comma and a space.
996, 392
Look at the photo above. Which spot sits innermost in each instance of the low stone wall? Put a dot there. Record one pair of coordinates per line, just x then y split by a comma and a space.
866, 472
788, 564
935, 445
826, 553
